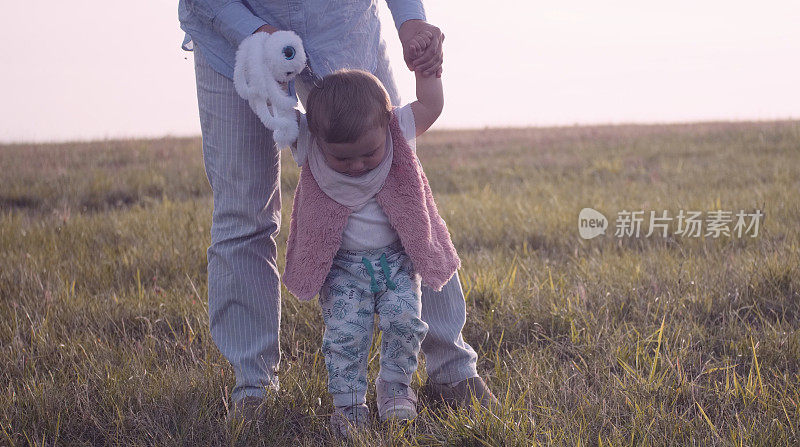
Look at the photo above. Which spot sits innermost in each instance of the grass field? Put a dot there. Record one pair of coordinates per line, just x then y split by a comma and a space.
610, 341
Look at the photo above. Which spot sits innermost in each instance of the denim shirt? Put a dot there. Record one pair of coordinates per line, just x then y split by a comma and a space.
336, 33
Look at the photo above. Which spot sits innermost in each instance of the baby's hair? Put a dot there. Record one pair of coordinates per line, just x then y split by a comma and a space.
346, 104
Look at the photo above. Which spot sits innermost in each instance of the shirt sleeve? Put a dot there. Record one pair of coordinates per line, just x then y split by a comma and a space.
408, 126
304, 140
231, 19
403, 10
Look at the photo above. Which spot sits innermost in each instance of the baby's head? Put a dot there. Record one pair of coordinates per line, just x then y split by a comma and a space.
348, 114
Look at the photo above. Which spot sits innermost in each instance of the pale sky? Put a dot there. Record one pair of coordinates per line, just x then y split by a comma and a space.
105, 69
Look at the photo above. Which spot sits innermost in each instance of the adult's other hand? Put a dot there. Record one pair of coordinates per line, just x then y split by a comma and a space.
266, 29
430, 61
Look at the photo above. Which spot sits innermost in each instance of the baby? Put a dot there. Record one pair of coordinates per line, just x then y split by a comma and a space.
365, 233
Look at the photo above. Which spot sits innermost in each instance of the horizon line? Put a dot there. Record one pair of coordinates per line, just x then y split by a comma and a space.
445, 129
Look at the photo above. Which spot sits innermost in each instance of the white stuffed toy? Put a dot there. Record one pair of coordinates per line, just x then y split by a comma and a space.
263, 61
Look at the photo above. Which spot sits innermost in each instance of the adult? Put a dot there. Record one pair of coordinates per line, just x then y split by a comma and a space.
243, 169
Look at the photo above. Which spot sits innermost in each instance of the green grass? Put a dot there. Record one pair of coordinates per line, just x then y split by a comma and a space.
104, 334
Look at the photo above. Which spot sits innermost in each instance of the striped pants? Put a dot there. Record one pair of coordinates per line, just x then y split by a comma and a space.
243, 169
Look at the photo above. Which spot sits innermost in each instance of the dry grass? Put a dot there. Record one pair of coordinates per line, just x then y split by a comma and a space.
679, 341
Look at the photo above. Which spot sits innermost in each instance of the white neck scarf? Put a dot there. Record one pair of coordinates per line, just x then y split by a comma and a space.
352, 192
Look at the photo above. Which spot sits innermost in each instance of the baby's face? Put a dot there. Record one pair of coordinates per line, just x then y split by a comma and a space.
358, 158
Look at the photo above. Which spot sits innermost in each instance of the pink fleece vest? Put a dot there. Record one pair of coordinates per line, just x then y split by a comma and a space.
315, 232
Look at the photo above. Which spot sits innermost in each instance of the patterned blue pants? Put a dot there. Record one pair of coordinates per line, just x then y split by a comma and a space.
360, 285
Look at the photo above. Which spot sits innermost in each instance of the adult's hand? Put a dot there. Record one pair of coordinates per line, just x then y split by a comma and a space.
266, 29
430, 61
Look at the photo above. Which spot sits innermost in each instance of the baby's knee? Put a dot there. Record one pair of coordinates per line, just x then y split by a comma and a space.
403, 325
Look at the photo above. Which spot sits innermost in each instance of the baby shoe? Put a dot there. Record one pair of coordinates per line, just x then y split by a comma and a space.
395, 401
346, 420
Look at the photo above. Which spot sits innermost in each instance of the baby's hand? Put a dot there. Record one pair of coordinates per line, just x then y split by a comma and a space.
420, 42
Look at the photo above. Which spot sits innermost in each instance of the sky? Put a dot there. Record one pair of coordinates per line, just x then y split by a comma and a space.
85, 70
